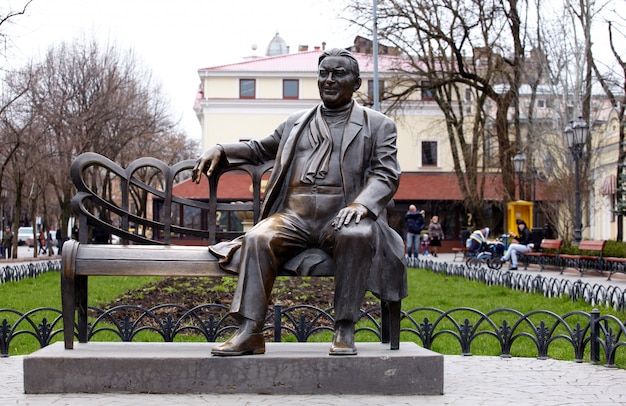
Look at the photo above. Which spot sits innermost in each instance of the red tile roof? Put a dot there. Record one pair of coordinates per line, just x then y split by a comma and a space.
303, 62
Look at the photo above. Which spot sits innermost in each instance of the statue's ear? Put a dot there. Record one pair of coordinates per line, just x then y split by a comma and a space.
357, 84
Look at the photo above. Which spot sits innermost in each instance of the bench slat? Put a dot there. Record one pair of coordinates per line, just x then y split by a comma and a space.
121, 267
551, 244
145, 252
591, 245
143, 260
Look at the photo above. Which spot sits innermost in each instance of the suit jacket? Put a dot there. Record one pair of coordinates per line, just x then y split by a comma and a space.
370, 173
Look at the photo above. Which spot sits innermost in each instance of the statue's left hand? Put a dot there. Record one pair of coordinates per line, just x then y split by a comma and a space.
354, 211
207, 162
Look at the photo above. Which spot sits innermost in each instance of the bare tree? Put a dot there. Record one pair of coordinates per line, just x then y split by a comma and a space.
454, 45
9, 13
508, 53
88, 97
8, 139
566, 40
21, 155
612, 78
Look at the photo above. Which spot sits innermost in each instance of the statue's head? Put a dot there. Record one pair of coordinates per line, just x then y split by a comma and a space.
338, 77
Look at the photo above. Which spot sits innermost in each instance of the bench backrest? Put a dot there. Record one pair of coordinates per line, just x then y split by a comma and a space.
138, 203
591, 245
551, 244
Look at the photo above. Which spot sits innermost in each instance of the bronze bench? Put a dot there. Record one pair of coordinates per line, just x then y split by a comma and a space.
153, 253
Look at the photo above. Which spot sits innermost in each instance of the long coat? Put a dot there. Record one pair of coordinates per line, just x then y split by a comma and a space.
370, 174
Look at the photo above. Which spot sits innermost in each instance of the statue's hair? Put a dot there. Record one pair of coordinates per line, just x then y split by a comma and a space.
354, 64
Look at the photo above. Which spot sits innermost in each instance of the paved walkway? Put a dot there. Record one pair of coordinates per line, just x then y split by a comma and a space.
467, 381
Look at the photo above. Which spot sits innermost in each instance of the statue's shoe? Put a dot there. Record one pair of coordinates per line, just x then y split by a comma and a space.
342, 350
241, 344
343, 343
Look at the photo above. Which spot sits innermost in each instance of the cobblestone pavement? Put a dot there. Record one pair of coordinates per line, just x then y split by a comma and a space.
470, 380
467, 381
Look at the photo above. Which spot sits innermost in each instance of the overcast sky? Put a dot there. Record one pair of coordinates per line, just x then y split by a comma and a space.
175, 38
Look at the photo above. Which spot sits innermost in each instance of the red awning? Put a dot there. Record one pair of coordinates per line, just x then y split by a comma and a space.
413, 186
442, 186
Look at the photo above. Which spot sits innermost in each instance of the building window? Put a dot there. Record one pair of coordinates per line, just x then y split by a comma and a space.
290, 88
247, 88
427, 91
370, 89
429, 153
491, 151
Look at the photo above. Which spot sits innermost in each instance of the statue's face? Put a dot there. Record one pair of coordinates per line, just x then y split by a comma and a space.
336, 81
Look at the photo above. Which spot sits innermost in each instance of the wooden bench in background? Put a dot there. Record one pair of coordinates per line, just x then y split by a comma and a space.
149, 244
615, 264
552, 257
590, 257
460, 253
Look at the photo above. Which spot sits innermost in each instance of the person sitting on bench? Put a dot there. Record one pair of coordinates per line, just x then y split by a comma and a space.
335, 172
522, 244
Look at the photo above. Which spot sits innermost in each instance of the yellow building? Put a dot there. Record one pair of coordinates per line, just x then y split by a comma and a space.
248, 99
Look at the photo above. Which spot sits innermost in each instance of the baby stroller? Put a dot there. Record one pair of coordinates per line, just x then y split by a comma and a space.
480, 251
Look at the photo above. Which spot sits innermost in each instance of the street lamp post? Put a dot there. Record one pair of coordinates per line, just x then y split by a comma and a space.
4, 199
519, 161
576, 134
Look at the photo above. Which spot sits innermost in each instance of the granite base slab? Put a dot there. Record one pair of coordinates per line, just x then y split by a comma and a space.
285, 368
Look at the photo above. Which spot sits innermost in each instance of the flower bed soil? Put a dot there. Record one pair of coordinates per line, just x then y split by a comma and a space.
191, 292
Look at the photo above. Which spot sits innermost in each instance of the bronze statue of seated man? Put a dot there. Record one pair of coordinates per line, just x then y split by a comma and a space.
334, 174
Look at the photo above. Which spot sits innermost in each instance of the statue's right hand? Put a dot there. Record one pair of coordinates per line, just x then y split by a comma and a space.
207, 162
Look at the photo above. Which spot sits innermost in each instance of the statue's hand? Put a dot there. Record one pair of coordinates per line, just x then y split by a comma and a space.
207, 162
354, 211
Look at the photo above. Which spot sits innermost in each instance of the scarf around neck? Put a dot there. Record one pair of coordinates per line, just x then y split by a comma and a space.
322, 143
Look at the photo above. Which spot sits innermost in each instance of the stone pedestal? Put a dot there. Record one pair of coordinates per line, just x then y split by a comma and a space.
286, 368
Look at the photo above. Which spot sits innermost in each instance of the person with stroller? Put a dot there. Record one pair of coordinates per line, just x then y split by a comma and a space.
522, 243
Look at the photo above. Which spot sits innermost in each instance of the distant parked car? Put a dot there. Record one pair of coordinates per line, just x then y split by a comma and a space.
25, 236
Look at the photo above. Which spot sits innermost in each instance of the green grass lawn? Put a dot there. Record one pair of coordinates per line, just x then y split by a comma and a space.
427, 290
45, 290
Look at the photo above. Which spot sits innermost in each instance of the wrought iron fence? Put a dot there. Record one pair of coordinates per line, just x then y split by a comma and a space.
23, 270
591, 293
592, 336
